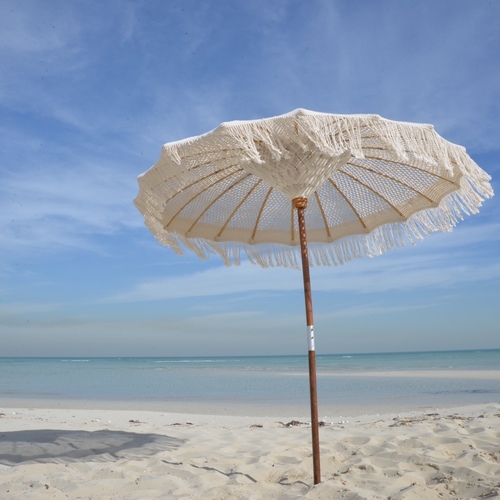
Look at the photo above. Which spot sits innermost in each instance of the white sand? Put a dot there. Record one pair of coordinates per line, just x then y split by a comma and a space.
132, 454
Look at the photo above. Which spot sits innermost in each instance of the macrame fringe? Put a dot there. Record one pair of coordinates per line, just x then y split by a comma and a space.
332, 135
387, 237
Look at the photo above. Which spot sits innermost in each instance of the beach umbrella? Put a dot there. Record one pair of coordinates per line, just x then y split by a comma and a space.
359, 184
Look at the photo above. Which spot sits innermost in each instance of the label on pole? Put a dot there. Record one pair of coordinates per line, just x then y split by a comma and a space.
310, 337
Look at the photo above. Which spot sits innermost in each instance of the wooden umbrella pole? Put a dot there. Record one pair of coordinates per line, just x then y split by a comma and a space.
300, 205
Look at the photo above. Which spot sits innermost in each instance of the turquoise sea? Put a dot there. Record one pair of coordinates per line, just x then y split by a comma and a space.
358, 383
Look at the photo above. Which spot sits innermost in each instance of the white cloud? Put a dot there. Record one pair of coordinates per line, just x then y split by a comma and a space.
12, 309
440, 264
55, 207
434, 65
372, 309
35, 28
88, 94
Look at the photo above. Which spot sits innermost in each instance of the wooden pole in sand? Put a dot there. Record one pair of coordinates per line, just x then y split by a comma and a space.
300, 205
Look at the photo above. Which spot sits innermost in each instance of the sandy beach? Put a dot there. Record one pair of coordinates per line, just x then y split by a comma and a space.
57, 453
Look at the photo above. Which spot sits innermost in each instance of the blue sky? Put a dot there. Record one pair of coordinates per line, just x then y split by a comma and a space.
89, 91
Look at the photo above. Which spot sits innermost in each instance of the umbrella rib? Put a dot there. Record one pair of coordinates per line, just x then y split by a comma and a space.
335, 186
245, 198
259, 215
373, 191
427, 172
215, 200
185, 188
318, 201
397, 181
199, 193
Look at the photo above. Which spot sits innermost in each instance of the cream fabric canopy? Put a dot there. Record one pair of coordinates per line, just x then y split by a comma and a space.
372, 184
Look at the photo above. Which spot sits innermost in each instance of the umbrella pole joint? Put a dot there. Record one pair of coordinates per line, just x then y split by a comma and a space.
300, 204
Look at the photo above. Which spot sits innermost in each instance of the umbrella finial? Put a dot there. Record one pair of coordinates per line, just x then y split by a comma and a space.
300, 202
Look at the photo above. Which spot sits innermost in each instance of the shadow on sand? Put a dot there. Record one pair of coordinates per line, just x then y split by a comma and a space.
58, 446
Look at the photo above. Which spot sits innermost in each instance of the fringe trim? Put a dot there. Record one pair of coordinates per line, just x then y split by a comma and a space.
386, 237
337, 136
332, 135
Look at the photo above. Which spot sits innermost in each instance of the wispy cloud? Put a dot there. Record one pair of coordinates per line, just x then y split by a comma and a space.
441, 265
430, 71
89, 93
373, 309
53, 208
23, 308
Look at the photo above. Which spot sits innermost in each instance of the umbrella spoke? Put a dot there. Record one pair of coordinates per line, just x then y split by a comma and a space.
375, 192
323, 215
259, 215
245, 198
197, 195
415, 167
215, 200
201, 179
346, 199
397, 181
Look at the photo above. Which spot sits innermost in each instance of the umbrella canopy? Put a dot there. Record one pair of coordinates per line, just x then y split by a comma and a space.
372, 184
369, 185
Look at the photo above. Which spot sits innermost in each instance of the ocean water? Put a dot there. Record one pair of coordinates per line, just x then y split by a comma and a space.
347, 383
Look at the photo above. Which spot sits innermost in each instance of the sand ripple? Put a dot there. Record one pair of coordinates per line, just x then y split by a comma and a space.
73, 454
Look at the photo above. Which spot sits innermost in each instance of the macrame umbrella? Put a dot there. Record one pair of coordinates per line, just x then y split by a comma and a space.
369, 185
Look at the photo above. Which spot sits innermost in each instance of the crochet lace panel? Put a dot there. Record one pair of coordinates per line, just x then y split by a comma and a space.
372, 184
